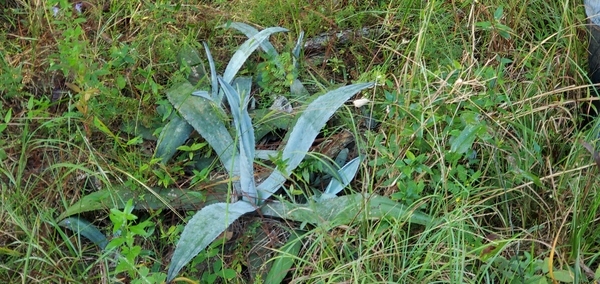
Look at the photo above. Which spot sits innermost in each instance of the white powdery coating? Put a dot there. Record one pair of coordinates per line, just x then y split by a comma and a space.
592, 9
360, 102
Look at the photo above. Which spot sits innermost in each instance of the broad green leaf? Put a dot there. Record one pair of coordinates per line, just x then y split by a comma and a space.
304, 133
284, 261
239, 57
466, 138
528, 175
117, 198
265, 154
205, 117
206, 225
85, 229
564, 276
173, 135
245, 136
213, 76
344, 210
346, 173
498, 13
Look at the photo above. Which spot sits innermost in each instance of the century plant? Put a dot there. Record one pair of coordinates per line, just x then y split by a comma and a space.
204, 109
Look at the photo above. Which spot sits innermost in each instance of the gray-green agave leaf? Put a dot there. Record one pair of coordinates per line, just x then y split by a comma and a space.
206, 117
213, 75
346, 173
245, 136
242, 54
206, 225
310, 122
249, 31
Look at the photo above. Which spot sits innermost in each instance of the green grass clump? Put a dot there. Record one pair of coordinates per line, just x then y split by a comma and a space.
475, 122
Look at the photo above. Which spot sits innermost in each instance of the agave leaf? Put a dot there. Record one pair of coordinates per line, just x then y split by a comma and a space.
85, 229
297, 49
190, 56
298, 90
250, 31
203, 94
213, 76
205, 117
343, 210
466, 138
172, 136
117, 198
304, 133
245, 133
240, 56
346, 173
265, 154
243, 86
206, 225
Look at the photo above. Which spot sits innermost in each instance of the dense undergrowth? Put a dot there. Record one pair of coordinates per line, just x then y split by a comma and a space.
473, 161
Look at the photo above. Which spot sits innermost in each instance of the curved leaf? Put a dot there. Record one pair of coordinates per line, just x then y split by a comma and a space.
117, 198
298, 90
86, 229
249, 31
304, 133
344, 210
296, 52
173, 135
203, 94
346, 173
240, 56
245, 133
205, 117
204, 228
283, 263
213, 76
189, 55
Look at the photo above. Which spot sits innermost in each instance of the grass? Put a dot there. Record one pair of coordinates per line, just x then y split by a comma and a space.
521, 198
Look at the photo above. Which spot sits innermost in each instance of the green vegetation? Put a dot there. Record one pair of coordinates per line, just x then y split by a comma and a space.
293, 141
